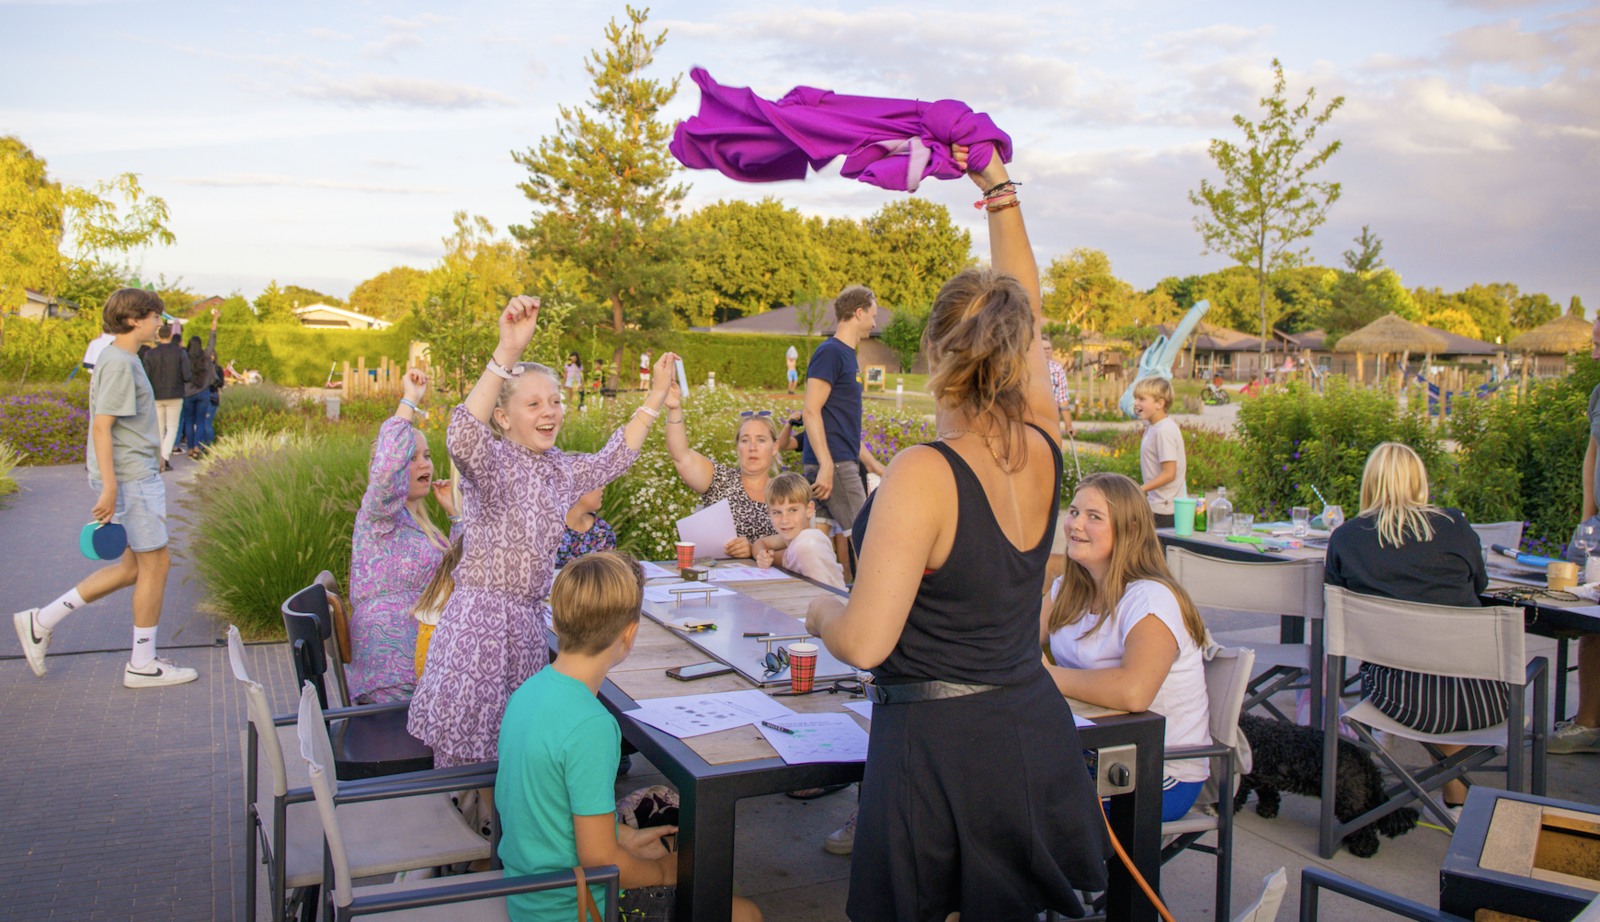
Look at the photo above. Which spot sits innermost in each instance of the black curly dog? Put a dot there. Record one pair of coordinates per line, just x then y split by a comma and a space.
1288, 757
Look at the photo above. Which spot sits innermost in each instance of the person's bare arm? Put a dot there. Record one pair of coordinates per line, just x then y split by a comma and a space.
517, 324
1589, 479
1011, 253
1146, 659
106, 506
1169, 473
817, 392
639, 424
905, 528
874, 466
598, 846
694, 469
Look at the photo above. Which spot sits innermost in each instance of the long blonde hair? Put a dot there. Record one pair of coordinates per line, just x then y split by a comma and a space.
1135, 555
441, 585
979, 336
772, 430
1394, 490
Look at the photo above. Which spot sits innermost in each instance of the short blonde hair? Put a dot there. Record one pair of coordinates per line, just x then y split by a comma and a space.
788, 487
1159, 388
1394, 490
595, 598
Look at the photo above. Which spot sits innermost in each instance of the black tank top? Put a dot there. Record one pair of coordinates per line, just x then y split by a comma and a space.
976, 619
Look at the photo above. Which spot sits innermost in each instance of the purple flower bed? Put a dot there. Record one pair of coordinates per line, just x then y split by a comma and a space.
45, 429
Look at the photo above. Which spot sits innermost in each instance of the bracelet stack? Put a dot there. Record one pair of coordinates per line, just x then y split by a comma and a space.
1000, 197
645, 409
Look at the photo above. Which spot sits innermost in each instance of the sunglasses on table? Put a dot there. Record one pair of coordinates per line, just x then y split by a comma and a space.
775, 661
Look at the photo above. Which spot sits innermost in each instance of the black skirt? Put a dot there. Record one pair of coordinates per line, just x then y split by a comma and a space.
980, 805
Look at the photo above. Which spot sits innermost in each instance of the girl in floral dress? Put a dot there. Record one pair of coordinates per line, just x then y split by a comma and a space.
586, 532
395, 549
516, 488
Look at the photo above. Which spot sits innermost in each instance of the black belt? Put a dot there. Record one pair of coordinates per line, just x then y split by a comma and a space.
913, 692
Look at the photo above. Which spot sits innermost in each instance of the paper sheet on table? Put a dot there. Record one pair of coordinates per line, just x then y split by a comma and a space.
653, 571
818, 738
864, 708
694, 593
710, 529
735, 574
695, 715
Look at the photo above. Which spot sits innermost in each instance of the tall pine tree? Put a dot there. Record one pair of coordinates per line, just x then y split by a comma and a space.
601, 185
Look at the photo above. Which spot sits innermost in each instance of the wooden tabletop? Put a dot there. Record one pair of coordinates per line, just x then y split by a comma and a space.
643, 674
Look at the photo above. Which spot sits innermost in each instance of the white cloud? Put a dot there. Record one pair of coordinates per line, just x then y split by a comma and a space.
378, 89
326, 34
390, 44
253, 180
1176, 47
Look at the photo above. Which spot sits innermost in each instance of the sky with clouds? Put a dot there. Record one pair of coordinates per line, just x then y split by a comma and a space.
320, 144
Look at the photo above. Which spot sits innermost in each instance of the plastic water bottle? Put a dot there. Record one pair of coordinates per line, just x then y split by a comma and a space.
1219, 515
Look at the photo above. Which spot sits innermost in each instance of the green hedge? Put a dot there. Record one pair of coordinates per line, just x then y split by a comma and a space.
748, 360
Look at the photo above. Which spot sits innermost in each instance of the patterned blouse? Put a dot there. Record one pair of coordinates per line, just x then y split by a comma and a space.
750, 518
391, 563
574, 544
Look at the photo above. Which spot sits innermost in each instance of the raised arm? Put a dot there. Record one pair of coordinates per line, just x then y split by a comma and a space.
517, 323
1010, 253
639, 426
694, 468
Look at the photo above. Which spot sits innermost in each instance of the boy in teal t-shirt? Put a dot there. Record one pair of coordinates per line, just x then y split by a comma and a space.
559, 748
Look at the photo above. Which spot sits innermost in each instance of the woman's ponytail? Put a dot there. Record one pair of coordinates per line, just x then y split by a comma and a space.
977, 341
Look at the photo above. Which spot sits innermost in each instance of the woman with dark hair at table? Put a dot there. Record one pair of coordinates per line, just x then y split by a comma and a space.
975, 798
1401, 546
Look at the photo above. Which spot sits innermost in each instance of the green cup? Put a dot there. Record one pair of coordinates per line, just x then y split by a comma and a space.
1183, 515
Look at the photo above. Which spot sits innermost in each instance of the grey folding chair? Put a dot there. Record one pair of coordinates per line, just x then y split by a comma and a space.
1483, 643
289, 836
458, 898
1289, 589
1227, 674
1505, 534
1314, 879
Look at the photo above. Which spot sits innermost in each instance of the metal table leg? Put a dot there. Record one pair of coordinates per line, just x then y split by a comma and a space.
705, 862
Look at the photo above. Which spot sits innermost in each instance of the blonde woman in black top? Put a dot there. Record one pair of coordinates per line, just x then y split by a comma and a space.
1401, 546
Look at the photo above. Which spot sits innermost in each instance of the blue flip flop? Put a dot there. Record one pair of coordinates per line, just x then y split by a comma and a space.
103, 542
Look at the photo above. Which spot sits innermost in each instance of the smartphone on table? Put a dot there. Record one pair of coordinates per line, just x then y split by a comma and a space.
699, 671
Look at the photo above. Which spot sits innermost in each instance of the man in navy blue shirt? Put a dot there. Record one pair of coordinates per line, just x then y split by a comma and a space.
833, 417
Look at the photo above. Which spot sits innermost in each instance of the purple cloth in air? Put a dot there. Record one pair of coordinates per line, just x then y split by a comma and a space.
890, 143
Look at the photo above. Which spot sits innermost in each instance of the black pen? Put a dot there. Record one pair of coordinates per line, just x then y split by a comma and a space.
768, 723
758, 633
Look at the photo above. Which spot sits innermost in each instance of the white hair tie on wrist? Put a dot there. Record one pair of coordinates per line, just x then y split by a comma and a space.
502, 371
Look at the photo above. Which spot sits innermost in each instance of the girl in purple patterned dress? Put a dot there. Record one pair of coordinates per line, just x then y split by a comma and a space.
586, 532
516, 491
395, 549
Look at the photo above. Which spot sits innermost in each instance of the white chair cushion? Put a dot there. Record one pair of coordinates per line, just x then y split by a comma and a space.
489, 910
382, 837
1368, 714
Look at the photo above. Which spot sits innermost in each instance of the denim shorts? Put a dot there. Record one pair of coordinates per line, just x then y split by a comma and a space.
142, 510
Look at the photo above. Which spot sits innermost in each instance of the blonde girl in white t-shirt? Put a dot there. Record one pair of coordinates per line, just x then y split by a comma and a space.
1144, 656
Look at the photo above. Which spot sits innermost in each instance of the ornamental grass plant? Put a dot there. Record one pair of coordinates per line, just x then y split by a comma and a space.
10, 458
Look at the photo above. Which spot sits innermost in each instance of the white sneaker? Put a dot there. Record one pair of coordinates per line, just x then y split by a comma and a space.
1569, 736
843, 840
35, 639
159, 673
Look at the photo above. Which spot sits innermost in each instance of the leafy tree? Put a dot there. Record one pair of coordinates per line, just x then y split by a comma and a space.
273, 306
48, 230
392, 294
1080, 288
917, 250
1267, 202
235, 311
1576, 307
91, 282
601, 184
305, 297
904, 336
1531, 310
1454, 320
746, 259
851, 255
1489, 306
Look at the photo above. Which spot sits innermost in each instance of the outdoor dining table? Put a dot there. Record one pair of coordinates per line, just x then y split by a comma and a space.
714, 771
1560, 620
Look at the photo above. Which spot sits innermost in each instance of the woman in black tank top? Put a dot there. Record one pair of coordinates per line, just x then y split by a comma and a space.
975, 798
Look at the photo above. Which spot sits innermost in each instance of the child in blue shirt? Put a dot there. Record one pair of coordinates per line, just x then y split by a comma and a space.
559, 748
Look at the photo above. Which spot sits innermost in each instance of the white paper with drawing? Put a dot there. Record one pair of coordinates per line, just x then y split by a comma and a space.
695, 715
710, 529
818, 738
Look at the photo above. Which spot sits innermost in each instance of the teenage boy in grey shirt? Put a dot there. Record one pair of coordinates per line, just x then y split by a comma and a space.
124, 466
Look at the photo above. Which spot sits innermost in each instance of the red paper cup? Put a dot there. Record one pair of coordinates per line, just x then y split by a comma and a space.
685, 554
802, 666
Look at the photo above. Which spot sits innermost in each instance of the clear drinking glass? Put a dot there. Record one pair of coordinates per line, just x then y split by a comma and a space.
1301, 516
1242, 523
1332, 517
1584, 541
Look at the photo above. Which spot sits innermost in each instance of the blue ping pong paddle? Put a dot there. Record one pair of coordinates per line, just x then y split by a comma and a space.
103, 542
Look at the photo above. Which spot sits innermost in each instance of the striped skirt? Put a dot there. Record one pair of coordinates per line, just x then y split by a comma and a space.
1434, 704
